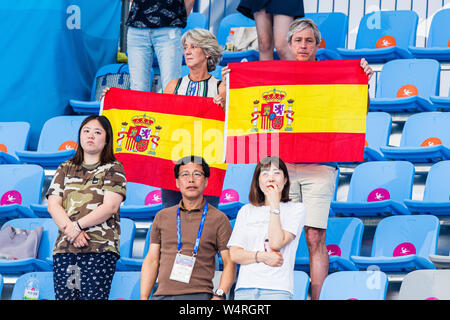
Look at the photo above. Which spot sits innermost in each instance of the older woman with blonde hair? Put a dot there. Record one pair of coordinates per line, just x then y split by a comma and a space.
202, 53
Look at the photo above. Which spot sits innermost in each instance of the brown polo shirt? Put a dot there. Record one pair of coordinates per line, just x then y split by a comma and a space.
216, 233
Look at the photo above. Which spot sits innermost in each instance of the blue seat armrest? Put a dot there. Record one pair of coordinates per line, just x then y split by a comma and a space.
45, 159
6, 158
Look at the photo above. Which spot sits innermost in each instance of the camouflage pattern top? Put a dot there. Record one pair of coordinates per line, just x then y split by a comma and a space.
82, 189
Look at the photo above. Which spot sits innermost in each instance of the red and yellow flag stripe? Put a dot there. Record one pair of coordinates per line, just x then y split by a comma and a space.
301, 111
152, 131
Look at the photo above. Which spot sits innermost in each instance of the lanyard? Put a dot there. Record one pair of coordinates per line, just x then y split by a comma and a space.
199, 233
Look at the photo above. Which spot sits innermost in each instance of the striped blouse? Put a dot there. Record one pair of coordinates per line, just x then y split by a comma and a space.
204, 88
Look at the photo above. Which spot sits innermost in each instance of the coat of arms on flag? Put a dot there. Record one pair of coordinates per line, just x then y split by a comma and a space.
139, 134
272, 111
153, 131
301, 111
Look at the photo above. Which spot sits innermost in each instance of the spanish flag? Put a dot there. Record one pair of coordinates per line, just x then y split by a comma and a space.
301, 111
152, 131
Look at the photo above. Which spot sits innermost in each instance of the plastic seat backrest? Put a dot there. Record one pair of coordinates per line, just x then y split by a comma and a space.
46, 287
27, 179
425, 285
437, 187
125, 286
137, 193
231, 21
439, 34
395, 176
49, 233
147, 240
217, 73
196, 20
14, 135
420, 73
400, 24
127, 234
424, 125
102, 80
345, 232
239, 177
419, 230
58, 130
301, 285
353, 285
378, 129
333, 27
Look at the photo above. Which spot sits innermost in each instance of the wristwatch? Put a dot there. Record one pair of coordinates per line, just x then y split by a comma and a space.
221, 294
275, 211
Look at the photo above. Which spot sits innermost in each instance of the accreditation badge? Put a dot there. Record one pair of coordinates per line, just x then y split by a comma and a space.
182, 268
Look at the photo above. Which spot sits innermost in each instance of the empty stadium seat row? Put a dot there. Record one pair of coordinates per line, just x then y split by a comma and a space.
44, 259
425, 138
400, 243
344, 285
22, 187
382, 36
373, 285
377, 188
383, 188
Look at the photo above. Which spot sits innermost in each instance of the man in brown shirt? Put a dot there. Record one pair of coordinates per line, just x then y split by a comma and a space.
183, 272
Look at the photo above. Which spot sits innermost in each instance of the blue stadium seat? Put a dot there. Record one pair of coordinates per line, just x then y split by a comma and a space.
127, 235
425, 285
111, 75
384, 36
236, 187
425, 139
378, 131
378, 188
436, 197
196, 20
57, 143
343, 239
1, 284
438, 45
217, 73
46, 286
441, 103
125, 286
333, 28
301, 285
440, 261
40, 210
142, 202
355, 285
40, 263
21, 186
406, 86
134, 264
235, 20
402, 243
13, 137
219, 258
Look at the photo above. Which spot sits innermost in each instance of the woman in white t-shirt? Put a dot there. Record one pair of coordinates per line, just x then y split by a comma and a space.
265, 236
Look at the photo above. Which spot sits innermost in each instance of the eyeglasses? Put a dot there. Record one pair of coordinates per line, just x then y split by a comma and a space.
196, 175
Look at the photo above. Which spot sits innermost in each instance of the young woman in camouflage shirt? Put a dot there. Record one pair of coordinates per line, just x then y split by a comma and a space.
84, 200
